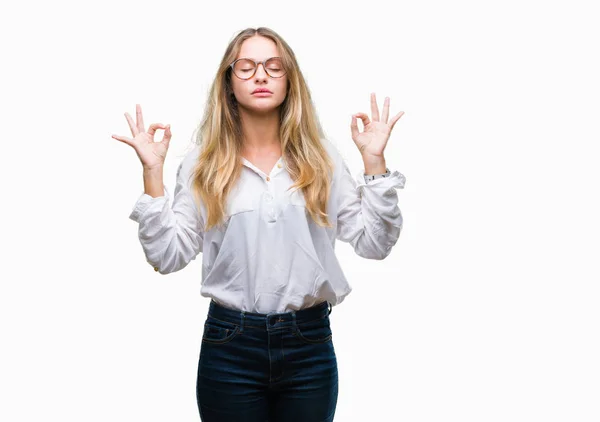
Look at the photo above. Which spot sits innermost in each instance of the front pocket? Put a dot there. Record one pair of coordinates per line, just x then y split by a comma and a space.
316, 331
219, 332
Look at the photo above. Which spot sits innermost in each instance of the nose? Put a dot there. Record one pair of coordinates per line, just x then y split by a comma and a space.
261, 74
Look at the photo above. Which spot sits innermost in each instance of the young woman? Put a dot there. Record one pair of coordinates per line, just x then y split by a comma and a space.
264, 195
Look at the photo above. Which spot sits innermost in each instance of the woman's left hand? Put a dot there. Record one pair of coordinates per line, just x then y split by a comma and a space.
372, 141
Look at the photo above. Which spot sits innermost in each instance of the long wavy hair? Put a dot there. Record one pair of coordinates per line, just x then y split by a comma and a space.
219, 135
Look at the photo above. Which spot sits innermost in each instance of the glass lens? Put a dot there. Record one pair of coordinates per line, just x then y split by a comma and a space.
244, 68
275, 67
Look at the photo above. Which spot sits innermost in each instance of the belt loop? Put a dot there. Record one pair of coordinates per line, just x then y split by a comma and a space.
293, 319
242, 321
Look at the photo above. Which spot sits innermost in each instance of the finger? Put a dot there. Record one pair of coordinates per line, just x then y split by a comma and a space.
167, 136
123, 139
354, 127
395, 119
374, 108
386, 110
153, 127
139, 117
134, 130
365, 119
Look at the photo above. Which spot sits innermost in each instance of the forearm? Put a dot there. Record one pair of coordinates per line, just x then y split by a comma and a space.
153, 182
171, 227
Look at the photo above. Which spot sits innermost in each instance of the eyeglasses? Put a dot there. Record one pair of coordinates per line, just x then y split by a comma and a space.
246, 68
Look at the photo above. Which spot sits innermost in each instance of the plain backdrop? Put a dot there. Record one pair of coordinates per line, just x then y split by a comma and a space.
485, 310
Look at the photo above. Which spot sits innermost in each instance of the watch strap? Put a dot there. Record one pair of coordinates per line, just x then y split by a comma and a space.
370, 177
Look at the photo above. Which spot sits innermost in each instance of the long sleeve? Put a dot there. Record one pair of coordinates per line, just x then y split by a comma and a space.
369, 217
171, 236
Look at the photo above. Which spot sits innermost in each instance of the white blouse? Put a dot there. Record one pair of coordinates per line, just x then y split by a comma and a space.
270, 256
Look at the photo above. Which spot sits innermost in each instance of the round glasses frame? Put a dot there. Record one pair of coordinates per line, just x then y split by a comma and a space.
264, 62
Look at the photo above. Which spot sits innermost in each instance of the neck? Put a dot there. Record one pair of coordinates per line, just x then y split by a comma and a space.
260, 131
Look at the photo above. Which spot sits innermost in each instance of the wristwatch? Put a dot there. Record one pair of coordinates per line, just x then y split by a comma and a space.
371, 177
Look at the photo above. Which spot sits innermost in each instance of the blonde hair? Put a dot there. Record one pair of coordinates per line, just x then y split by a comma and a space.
219, 163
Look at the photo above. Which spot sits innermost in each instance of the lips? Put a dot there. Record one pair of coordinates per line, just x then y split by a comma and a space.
261, 90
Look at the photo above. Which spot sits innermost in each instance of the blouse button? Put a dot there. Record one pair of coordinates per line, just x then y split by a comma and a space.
155, 268
279, 165
268, 179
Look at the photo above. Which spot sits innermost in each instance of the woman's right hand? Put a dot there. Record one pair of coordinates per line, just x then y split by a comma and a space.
151, 154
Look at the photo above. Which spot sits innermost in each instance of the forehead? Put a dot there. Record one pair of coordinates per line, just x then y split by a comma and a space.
258, 48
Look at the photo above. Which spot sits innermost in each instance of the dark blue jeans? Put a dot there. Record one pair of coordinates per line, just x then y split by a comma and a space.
267, 367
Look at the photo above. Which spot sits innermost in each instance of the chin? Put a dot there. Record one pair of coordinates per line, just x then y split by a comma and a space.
262, 106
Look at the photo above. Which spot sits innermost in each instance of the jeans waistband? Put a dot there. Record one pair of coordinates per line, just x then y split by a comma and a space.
270, 320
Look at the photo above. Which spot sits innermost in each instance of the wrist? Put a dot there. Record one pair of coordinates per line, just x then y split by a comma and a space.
375, 166
153, 170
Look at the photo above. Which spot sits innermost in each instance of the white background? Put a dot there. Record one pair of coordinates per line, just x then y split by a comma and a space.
487, 307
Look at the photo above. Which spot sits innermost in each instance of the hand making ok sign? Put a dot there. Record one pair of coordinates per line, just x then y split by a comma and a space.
372, 141
152, 154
